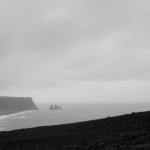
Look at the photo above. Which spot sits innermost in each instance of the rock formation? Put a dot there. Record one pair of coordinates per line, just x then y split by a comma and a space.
9, 105
55, 107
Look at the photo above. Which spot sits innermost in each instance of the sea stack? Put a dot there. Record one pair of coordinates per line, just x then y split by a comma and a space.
10, 105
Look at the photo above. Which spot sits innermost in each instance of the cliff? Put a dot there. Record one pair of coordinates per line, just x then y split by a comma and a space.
9, 105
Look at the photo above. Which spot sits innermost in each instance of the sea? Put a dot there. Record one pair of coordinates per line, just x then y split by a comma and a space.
70, 113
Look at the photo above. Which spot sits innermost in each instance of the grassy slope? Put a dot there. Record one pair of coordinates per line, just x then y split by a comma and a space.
130, 131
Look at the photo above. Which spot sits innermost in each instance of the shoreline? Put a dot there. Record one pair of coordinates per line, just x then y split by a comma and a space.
128, 131
5, 116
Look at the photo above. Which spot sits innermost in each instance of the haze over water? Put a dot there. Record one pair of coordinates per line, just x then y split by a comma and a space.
71, 112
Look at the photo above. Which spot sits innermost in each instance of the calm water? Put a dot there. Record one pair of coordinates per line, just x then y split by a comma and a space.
70, 113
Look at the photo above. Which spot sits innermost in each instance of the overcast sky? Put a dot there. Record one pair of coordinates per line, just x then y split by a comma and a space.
75, 50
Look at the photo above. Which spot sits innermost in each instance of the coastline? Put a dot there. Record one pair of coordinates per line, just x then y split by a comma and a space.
129, 131
5, 116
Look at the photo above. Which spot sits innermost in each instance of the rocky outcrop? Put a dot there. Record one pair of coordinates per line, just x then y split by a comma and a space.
9, 105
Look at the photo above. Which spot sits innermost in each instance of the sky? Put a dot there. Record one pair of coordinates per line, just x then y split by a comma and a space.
75, 50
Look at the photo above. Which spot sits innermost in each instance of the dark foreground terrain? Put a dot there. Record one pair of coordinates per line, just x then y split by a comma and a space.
126, 132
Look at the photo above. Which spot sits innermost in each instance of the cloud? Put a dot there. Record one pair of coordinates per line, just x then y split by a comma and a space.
53, 44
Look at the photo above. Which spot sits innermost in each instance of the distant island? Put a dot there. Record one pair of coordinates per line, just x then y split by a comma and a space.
10, 105
126, 132
55, 107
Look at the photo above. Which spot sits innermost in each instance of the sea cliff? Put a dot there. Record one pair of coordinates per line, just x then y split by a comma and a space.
10, 105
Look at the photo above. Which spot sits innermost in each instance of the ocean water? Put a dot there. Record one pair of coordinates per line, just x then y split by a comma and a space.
71, 112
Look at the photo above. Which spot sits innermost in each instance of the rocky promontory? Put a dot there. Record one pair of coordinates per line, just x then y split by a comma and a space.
10, 105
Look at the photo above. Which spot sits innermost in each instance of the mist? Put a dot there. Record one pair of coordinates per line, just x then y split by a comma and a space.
75, 51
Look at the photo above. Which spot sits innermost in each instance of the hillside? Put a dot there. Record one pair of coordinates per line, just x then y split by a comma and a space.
131, 131
9, 105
